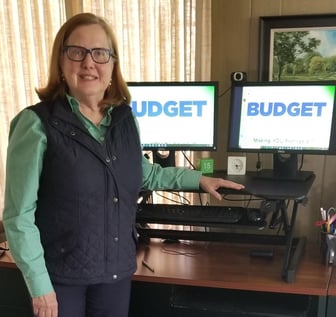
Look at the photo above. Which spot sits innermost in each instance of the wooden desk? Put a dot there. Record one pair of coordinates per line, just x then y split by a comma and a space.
223, 267
188, 275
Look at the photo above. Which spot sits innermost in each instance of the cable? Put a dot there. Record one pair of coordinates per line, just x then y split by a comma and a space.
187, 201
301, 164
188, 160
225, 91
258, 164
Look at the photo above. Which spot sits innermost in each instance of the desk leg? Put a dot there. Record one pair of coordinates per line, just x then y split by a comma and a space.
293, 253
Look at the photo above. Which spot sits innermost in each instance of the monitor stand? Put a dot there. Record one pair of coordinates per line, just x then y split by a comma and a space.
284, 168
164, 158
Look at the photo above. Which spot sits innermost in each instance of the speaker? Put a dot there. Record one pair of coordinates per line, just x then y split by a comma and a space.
238, 77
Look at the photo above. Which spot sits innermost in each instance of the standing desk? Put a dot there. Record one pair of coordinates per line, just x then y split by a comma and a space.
278, 191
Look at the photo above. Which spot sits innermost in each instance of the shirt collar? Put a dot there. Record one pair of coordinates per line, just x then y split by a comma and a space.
74, 105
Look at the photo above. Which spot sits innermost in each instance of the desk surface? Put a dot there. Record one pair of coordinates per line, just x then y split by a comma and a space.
224, 265
268, 188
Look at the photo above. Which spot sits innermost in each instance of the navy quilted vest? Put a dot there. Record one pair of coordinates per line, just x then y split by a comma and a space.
87, 198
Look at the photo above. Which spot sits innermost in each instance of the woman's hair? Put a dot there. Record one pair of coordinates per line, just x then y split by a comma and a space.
115, 94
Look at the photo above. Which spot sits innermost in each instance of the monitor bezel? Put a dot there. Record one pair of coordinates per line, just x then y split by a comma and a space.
185, 147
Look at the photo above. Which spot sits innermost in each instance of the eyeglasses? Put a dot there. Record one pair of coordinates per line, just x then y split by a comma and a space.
78, 54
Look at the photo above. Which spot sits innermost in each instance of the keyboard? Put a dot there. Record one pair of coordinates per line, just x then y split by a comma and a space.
189, 214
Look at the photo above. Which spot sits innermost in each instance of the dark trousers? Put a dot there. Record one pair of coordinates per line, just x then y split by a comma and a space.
98, 300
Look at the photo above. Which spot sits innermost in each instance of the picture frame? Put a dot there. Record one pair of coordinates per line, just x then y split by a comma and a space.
297, 48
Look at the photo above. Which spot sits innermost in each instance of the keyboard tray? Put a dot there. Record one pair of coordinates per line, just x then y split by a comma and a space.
190, 214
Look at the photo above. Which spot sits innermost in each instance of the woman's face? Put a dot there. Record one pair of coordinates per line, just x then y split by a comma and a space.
87, 80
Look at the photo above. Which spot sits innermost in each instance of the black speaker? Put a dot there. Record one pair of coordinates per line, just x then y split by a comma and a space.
238, 77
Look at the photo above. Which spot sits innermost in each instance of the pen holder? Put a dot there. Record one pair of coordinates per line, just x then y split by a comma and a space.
328, 248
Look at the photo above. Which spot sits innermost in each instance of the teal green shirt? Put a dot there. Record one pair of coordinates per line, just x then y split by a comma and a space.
27, 144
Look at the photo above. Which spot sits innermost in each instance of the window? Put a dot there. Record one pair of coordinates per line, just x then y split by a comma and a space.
162, 40
26, 37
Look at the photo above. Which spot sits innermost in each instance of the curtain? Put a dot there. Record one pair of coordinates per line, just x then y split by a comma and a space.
159, 40
26, 37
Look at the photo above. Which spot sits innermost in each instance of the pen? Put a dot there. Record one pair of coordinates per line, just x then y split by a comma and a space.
144, 263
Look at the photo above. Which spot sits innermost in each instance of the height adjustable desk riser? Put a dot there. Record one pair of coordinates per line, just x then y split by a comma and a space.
269, 189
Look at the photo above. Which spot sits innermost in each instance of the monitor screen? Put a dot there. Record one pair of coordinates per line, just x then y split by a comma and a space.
283, 117
176, 115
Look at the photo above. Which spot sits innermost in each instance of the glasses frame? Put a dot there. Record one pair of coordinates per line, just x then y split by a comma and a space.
88, 51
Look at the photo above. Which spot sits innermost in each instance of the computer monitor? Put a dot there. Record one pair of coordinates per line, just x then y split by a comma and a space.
176, 115
285, 119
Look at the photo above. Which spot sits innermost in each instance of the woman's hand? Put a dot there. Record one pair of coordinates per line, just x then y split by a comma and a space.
45, 305
211, 185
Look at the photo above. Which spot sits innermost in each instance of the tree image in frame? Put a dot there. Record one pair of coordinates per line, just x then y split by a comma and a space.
295, 56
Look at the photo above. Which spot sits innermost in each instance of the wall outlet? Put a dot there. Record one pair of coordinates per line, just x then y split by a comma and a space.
236, 165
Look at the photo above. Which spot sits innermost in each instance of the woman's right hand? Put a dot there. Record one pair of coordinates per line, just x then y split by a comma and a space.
45, 305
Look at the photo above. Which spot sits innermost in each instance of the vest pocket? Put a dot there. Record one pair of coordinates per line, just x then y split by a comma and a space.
61, 248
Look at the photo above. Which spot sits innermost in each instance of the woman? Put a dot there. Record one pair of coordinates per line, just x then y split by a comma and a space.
74, 171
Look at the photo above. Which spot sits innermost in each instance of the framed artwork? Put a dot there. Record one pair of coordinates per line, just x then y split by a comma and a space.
297, 48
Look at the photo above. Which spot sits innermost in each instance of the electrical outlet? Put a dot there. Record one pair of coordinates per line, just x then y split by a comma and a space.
236, 165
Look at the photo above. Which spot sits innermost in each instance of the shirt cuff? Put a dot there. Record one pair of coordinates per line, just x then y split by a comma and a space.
40, 285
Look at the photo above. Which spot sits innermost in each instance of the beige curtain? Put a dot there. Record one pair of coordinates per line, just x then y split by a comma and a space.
159, 40
27, 31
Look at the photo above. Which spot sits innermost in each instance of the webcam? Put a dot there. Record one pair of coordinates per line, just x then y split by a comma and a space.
238, 77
